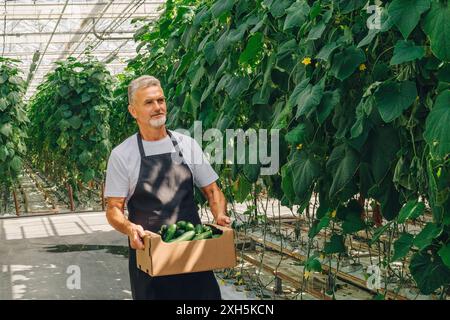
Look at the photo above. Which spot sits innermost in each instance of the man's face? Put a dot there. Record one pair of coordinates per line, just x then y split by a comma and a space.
149, 107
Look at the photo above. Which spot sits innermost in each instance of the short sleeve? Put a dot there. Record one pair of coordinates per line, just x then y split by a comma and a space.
117, 183
203, 173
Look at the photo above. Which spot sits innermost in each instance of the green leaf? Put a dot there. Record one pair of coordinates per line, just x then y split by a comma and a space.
343, 163
346, 62
278, 7
411, 210
329, 100
316, 31
85, 157
406, 14
220, 7
437, 27
305, 169
3, 153
242, 188
427, 235
296, 15
16, 164
437, 134
3, 104
253, 48
297, 135
237, 86
210, 53
286, 183
402, 246
429, 272
75, 122
318, 225
382, 154
353, 221
335, 245
393, 98
313, 264
348, 6
379, 232
308, 98
6, 129
444, 253
327, 50
405, 51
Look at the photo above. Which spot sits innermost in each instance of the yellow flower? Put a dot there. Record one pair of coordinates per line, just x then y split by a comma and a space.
306, 61
362, 67
300, 146
307, 275
333, 214
322, 256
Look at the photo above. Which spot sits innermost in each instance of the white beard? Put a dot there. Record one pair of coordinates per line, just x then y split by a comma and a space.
157, 123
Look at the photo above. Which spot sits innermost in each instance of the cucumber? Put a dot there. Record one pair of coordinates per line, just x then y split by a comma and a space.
188, 235
190, 227
203, 236
163, 229
178, 233
216, 236
170, 233
206, 228
181, 224
198, 229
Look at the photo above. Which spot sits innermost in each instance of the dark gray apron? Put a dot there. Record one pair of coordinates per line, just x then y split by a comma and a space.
164, 194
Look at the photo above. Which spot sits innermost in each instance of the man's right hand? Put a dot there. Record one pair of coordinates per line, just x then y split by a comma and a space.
136, 233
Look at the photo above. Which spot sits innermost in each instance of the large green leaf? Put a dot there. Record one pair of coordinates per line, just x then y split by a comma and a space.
241, 189
343, 163
278, 7
305, 169
316, 31
379, 232
327, 50
382, 154
220, 7
353, 221
329, 100
16, 164
444, 253
392, 98
411, 210
308, 97
437, 27
237, 86
427, 235
287, 183
346, 62
296, 15
6, 129
335, 245
318, 225
429, 272
405, 51
437, 133
347, 6
297, 135
253, 48
406, 14
402, 246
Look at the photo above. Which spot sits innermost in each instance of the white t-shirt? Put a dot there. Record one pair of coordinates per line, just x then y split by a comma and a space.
124, 163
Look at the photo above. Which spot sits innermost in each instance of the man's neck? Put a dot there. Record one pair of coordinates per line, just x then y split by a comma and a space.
153, 134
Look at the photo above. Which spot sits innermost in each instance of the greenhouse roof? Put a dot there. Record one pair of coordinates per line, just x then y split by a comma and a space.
40, 32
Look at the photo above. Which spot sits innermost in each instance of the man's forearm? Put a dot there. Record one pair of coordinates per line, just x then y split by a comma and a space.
217, 203
117, 220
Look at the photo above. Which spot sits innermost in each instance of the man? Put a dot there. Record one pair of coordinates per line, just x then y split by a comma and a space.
145, 173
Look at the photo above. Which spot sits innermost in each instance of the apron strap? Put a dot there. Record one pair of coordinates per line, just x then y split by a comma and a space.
172, 138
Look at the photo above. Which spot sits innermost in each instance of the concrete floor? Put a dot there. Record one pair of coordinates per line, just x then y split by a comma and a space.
67, 256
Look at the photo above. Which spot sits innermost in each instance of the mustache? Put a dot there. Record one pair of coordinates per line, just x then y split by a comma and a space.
157, 114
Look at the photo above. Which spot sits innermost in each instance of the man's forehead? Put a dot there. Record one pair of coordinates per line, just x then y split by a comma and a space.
150, 92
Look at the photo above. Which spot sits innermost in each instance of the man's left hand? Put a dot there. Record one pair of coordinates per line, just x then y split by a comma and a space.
223, 220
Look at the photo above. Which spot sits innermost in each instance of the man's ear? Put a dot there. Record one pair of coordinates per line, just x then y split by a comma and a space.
132, 111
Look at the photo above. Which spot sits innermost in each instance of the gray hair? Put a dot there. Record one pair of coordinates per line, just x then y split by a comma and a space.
141, 82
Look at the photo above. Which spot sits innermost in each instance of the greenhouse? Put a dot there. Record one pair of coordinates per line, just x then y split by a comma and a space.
248, 150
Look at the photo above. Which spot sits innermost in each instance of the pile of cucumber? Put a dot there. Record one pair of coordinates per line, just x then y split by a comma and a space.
186, 231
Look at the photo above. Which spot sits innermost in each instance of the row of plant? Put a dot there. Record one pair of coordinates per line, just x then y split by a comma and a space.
363, 112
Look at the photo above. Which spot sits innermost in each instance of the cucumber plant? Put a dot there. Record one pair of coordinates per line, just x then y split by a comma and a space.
363, 112
69, 122
13, 121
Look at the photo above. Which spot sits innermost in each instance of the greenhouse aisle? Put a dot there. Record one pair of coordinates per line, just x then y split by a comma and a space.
67, 256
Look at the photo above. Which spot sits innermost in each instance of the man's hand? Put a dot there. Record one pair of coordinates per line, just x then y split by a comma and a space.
136, 233
223, 220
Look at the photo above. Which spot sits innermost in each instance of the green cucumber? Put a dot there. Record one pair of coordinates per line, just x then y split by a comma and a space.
198, 229
189, 227
178, 233
206, 228
170, 232
163, 229
181, 224
188, 235
203, 236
